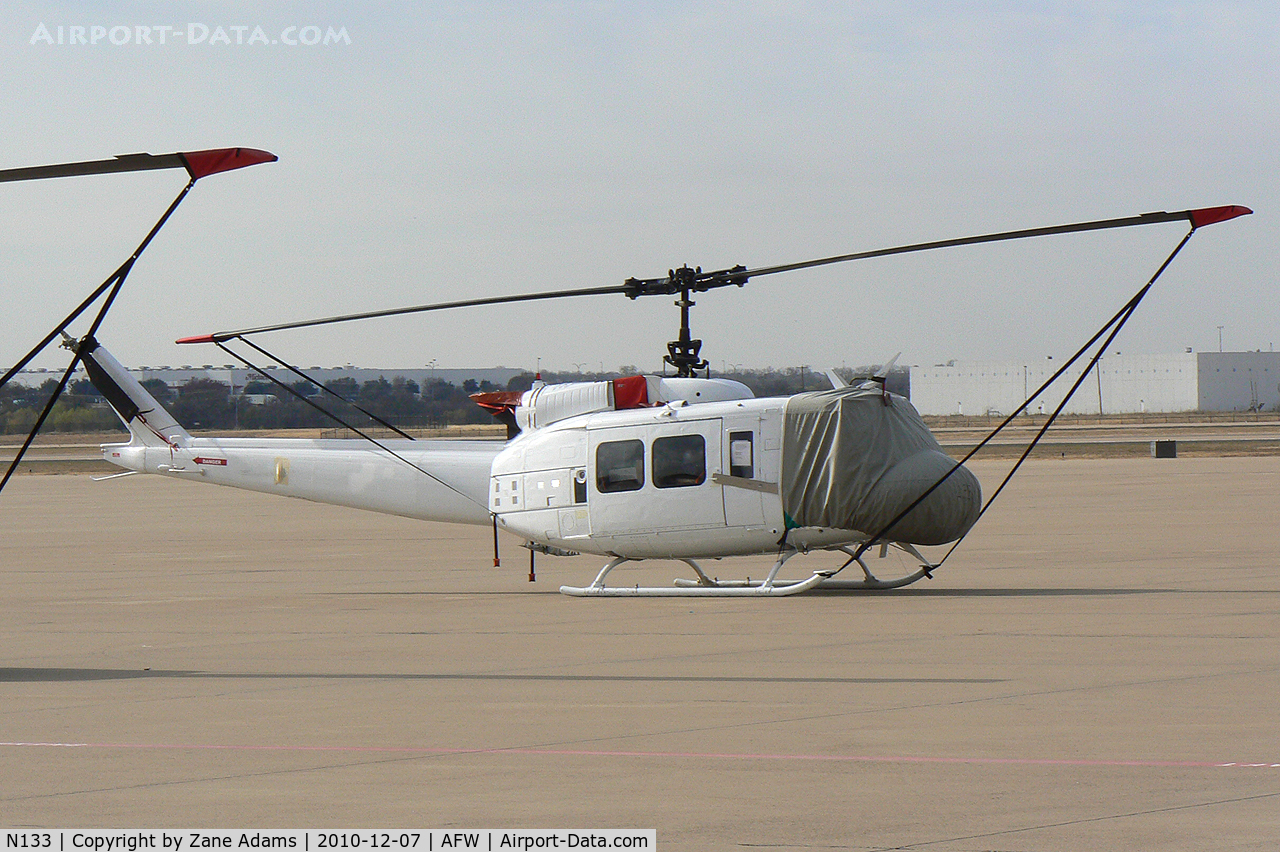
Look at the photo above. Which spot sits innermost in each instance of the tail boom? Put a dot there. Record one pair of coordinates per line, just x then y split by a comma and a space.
339, 472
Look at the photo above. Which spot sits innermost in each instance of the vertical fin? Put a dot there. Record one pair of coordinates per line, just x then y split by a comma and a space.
147, 421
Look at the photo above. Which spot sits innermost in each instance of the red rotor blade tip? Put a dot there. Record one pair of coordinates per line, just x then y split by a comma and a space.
1213, 215
200, 338
202, 163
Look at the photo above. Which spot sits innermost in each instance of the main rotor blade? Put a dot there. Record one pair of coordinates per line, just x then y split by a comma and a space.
738, 276
1197, 218
221, 336
197, 163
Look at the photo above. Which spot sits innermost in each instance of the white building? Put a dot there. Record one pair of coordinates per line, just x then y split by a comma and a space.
1124, 384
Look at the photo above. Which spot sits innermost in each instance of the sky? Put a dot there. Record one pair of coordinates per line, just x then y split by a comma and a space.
441, 151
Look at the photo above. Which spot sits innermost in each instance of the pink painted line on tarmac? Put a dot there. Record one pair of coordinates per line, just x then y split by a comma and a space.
847, 758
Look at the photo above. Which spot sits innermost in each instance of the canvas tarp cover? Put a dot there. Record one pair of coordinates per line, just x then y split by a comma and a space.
840, 449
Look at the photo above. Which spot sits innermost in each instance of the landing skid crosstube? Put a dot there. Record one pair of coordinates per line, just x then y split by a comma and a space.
705, 586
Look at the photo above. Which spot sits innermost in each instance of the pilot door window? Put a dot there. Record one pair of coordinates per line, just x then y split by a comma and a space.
679, 461
619, 466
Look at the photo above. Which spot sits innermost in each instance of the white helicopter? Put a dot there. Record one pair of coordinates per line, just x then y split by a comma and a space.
680, 468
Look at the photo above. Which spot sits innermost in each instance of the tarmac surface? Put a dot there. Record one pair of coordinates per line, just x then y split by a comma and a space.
1097, 667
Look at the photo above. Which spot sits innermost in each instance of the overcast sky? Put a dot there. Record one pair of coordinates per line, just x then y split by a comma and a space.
434, 152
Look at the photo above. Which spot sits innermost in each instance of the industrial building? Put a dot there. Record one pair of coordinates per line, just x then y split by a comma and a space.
1122, 384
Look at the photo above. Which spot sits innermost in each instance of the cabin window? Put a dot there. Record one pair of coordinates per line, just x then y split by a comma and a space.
679, 461
741, 457
620, 466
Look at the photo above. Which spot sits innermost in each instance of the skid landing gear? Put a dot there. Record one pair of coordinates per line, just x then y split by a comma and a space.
770, 586
871, 581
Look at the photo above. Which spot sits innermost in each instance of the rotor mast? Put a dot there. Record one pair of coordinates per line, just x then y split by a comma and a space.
683, 353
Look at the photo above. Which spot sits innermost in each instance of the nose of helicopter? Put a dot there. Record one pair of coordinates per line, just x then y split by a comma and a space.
945, 515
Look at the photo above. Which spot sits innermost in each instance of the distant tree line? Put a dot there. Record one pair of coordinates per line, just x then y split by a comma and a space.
79, 409
208, 404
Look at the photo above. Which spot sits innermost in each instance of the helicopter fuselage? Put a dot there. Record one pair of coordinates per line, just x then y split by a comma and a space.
674, 481
705, 471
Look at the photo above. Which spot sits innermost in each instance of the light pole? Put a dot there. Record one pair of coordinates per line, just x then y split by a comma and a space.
1025, 389
1098, 374
1219, 338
